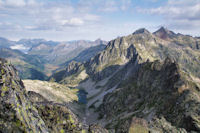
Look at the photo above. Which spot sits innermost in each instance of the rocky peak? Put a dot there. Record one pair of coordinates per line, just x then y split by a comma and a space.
141, 31
164, 33
73, 68
72, 65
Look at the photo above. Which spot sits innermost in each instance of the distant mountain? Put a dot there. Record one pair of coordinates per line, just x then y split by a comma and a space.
28, 66
86, 54
28, 44
35, 42
24, 45
62, 52
50, 54
5, 43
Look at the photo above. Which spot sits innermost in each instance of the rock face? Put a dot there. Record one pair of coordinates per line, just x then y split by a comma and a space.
57, 117
17, 114
158, 92
72, 75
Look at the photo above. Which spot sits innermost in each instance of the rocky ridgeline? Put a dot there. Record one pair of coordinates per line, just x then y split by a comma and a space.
142, 46
143, 81
17, 114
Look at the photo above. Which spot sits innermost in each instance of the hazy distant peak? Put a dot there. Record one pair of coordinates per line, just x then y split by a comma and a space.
31, 40
2, 38
100, 41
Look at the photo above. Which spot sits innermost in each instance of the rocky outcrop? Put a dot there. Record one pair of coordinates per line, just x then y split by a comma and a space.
57, 117
68, 75
17, 114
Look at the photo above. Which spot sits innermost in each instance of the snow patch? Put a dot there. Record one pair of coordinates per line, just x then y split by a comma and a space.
19, 47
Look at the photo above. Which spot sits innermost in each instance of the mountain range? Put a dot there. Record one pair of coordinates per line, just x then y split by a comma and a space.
38, 58
140, 83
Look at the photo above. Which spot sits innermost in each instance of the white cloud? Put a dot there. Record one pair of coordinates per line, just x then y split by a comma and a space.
31, 2
109, 6
179, 14
9, 26
179, 9
15, 2
104, 5
91, 17
114, 5
35, 15
125, 4
72, 22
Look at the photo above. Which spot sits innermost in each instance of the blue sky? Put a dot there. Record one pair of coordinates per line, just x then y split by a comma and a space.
64, 20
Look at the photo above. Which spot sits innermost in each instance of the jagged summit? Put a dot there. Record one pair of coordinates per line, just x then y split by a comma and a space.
165, 30
164, 33
141, 31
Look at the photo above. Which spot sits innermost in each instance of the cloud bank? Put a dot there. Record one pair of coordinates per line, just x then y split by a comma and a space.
91, 19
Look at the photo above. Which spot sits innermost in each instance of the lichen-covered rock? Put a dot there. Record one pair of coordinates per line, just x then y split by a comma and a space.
35, 97
57, 117
94, 128
17, 114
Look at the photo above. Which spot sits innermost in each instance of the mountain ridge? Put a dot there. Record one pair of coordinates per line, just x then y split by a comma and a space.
130, 55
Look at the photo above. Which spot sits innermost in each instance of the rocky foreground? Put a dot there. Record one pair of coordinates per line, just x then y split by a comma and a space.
31, 112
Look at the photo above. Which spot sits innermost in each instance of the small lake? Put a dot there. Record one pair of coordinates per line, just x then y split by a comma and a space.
82, 96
